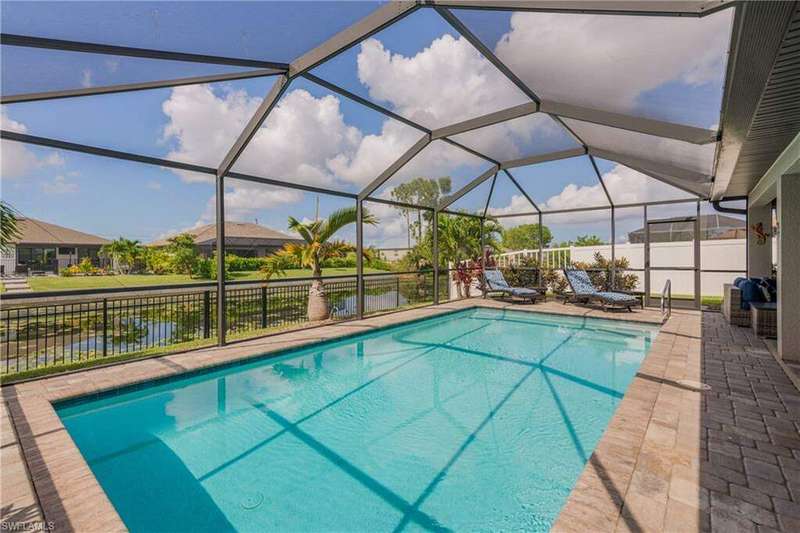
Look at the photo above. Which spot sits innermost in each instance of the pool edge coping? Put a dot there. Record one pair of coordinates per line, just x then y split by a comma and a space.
71, 497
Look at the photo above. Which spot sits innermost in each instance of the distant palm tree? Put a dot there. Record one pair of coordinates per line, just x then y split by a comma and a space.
316, 249
9, 231
123, 253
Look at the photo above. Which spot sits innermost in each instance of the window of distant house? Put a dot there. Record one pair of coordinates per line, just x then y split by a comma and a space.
66, 251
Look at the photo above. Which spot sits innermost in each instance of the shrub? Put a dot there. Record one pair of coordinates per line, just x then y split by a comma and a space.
243, 264
601, 276
522, 275
70, 271
184, 253
158, 261
85, 266
207, 268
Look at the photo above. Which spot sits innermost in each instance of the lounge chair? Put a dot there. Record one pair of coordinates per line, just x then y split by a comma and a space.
584, 291
495, 282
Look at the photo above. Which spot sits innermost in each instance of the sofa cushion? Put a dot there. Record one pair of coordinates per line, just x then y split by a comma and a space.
751, 292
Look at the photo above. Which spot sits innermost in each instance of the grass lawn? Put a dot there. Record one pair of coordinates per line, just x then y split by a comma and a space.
60, 283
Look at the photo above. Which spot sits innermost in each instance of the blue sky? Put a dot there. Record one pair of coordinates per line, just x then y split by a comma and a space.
420, 68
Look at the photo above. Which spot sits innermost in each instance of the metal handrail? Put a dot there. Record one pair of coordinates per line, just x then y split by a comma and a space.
666, 293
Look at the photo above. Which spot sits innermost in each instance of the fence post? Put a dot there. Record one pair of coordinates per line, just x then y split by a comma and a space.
435, 256
397, 291
359, 259
206, 314
105, 327
263, 307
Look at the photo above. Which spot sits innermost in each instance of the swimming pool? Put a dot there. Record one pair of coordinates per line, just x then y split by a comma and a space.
479, 419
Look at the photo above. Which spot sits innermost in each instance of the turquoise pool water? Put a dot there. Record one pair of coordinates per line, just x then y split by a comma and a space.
476, 420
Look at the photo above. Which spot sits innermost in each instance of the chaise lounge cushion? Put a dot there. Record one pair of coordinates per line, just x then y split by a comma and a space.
496, 282
617, 297
581, 283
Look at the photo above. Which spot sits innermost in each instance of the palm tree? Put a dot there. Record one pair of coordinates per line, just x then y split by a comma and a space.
8, 225
460, 241
317, 248
123, 253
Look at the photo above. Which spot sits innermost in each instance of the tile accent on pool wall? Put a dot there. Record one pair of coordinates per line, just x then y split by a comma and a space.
31, 409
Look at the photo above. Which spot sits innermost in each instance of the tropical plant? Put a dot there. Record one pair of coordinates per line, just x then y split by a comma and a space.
588, 240
184, 253
600, 273
123, 254
460, 244
420, 191
317, 248
85, 266
526, 237
9, 231
206, 268
157, 261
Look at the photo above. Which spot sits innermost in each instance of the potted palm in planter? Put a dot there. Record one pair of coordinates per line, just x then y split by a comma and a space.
317, 248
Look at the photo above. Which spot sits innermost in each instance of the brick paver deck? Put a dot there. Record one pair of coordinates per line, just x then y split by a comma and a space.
674, 457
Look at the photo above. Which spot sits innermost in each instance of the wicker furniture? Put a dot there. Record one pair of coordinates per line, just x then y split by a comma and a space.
732, 306
764, 317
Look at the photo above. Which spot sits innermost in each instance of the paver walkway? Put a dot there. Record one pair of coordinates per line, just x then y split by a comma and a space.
16, 285
750, 472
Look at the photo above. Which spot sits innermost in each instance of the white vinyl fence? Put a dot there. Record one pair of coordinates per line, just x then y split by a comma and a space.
720, 262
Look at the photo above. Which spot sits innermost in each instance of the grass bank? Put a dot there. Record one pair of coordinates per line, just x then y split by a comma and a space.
61, 283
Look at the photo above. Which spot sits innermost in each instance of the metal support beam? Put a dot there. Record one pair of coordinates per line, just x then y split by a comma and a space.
94, 48
520, 189
127, 156
295, 186
598, 208
541, 247
131, 87
251, 128
359, 259
667, 8
600, 179
552, 156
649, 126
222, 325
363, 101
485, 120
613, 249
394, 167
461, 28
697, 259
483, 253
684, 178
103, 152
646, 259
489, 198
435, 256
447, 201
364, 28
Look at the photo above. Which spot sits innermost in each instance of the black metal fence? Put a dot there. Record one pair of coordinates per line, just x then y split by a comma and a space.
105, 324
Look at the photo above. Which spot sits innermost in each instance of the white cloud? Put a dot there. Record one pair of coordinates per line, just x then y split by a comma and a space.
17, 159
154, 185
610, 60
446, 82
391, 230
86, 78
625, 185
59, 185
